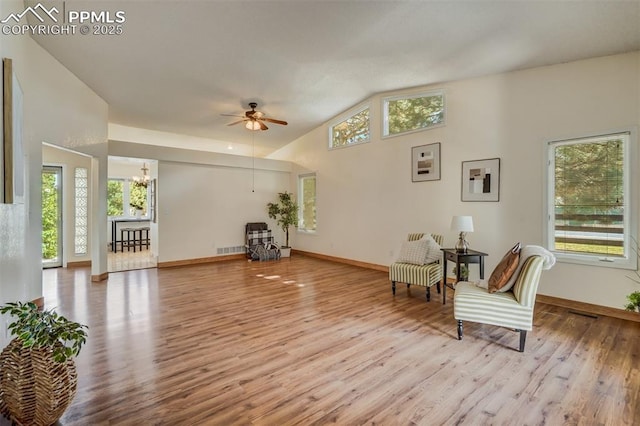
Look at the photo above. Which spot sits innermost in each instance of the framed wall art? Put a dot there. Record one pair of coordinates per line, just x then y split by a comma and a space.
425, 162
13, 159
481, 180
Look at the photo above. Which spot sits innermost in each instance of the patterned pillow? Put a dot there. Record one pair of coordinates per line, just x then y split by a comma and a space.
413, 252
433, 250
505, 269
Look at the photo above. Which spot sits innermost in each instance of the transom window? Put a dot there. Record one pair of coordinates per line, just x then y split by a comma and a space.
403, 114
588, 200
354, 130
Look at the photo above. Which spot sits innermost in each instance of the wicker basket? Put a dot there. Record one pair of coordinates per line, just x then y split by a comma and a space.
34, 389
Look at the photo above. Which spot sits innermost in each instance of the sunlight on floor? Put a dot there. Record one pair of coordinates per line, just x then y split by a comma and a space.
276, 277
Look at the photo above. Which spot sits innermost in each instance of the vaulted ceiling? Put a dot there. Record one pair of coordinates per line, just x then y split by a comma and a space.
179, 65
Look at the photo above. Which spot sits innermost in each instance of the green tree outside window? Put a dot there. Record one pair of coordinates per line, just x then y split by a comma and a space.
405, 115
137, 198
115, 197
49, 216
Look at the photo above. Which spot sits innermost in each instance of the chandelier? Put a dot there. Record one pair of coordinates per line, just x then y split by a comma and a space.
144, 179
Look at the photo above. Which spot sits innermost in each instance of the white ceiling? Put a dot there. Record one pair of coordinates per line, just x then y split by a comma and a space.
180, 64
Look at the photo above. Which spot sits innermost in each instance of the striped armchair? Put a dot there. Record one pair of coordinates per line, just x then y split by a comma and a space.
422, 275
512, 309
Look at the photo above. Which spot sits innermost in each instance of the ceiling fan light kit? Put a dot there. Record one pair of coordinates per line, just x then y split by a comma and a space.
254, 120
252, 125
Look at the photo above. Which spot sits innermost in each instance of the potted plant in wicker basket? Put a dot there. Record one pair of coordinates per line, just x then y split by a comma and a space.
38, 376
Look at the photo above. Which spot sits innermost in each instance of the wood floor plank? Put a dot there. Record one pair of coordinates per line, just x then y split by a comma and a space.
306, 341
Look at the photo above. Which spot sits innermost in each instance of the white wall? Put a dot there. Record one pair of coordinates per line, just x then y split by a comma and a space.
367, 202
205, 207
59, 109
52, 156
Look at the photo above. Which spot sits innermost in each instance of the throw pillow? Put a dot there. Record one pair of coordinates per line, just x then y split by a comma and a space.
525, 253
413, 252
433, 250
505, 269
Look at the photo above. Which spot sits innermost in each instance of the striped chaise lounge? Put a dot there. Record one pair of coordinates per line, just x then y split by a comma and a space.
422, 275
512, 309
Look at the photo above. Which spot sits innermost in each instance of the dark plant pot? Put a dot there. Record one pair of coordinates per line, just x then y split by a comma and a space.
34, 389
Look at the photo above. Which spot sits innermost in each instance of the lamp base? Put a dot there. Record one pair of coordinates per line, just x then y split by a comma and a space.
462, 245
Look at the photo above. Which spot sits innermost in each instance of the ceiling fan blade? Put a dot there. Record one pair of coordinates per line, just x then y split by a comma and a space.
262, 125
273, 120
232, 115
236, 122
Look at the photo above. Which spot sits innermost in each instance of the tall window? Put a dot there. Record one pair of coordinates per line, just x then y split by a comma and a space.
353, 130
82, 210
402, 114
588, 200
307, 198
125, 198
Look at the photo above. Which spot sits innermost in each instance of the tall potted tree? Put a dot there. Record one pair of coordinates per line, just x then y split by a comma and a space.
38, 377
285, 211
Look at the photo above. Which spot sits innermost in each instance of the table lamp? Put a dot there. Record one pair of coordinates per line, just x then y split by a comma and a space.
462, 224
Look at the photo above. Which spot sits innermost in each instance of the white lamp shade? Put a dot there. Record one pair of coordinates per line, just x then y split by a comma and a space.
462, 224
252, 125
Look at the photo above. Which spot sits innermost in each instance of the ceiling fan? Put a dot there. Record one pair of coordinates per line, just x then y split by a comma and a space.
254, 119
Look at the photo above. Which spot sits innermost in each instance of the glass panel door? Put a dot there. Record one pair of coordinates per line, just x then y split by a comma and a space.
51, 216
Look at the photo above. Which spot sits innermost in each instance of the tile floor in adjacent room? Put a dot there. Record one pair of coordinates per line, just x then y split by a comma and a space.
129, 260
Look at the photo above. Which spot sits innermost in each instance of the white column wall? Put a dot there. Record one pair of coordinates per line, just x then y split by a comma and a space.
61, 110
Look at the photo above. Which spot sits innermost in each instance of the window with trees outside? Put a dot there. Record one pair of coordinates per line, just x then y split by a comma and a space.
125, 198
354, 130
307, 200
402, 114
589, 201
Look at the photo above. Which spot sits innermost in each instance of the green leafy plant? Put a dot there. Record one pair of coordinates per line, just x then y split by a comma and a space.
136, 205
634, 302
464, 272
285, 211
37, 329
634, 298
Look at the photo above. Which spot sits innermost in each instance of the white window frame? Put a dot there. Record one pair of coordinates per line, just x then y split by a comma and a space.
385, 112
301, 203
630, 177
345, 117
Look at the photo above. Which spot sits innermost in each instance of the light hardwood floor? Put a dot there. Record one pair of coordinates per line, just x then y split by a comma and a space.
307, 341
